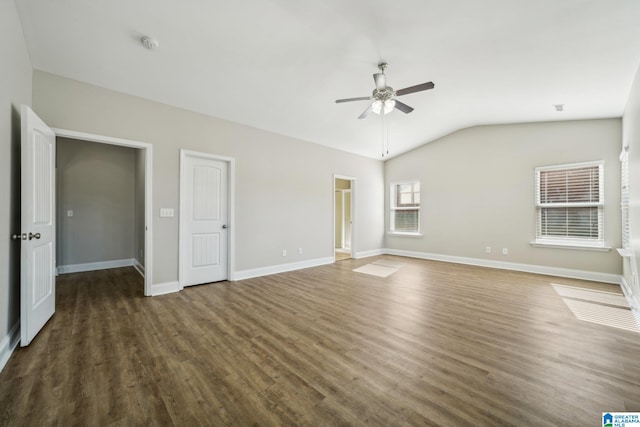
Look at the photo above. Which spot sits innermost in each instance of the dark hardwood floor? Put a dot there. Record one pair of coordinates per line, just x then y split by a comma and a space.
432, 344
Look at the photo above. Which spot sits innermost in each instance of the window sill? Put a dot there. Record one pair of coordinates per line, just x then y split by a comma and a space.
576, 246
624, 252
401, 234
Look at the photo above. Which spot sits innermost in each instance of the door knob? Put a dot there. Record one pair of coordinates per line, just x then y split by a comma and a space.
34, 236
224, 226
19, 236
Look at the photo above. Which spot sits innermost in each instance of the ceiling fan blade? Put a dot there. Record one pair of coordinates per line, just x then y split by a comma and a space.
403, 107
366, 112
381, 81
362, 98
416, 88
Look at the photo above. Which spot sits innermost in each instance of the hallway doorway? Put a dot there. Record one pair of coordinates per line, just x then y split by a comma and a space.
343, 217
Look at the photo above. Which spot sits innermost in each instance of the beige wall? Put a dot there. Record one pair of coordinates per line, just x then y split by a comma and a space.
97, 182
343, 184
477, 190
284, 187
631, 137
15, 89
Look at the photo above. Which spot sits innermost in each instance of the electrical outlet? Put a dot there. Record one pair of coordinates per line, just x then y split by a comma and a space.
299, 251
488, 249
505, 251
284, 252
69, 213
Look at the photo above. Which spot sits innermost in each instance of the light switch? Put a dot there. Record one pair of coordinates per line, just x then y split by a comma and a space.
69, 213
166, 212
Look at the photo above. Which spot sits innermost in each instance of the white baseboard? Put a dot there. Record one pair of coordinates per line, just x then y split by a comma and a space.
139, 267
281, 268
633, 303
165, 288
9, 344
527, 268
366, 254
92, 266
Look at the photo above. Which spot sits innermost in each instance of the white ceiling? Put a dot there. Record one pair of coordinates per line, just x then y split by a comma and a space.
280, 64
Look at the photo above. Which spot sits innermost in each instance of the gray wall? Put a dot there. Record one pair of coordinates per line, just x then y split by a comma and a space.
15, 89
97, 182
477, 190
631, 137
139, 207
284, 187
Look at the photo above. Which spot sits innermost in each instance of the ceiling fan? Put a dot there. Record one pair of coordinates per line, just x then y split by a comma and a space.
383, 96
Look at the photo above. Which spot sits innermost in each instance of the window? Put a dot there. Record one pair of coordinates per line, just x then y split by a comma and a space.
624, 196
405, 207
569, 204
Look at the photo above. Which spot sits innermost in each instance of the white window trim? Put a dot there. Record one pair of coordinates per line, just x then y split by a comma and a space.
405, 234
569, 245
570, 242
391, 232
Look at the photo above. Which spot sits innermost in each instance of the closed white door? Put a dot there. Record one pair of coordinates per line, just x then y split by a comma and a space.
203, 216
37, 253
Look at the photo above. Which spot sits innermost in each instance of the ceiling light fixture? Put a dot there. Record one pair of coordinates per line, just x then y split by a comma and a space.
383, 107
150, 43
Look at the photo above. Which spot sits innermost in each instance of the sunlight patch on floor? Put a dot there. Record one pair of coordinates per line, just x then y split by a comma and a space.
389, 263
378, 270
604, 308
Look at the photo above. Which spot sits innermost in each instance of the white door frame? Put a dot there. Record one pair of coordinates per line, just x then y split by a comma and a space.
231, 185
148, 190
353, 213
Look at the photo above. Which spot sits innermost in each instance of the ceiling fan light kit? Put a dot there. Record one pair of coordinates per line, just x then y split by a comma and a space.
383, 96
383, 107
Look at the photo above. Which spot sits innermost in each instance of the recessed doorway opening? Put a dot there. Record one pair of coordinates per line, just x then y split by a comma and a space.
343, 187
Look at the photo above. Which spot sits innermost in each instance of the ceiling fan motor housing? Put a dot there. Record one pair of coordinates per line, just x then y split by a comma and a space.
383, 94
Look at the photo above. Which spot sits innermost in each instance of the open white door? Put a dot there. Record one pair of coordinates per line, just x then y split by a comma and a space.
37, 253
203, 219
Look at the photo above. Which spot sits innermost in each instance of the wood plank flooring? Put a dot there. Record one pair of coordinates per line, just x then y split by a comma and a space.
432, 344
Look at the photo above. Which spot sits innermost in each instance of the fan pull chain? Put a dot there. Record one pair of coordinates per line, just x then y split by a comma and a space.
382, 136
385, 136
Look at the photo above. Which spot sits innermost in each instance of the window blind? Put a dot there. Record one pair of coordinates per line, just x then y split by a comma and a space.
624, 196
405, 207
569, 202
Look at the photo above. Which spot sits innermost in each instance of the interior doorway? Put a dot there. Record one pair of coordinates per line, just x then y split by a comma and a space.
100, 206
143, 256
343, 188
38, 217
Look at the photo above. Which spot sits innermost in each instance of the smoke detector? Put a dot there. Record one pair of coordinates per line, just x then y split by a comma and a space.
150, 43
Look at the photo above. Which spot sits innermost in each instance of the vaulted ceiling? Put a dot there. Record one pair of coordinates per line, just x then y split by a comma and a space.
279, 65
